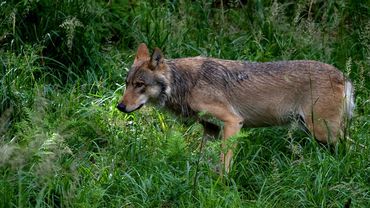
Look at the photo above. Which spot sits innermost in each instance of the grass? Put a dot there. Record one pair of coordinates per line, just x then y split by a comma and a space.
64, 144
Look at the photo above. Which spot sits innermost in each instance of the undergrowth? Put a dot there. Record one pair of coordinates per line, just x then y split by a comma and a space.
64, 144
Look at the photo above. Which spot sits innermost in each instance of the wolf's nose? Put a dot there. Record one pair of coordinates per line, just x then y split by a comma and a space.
121, 107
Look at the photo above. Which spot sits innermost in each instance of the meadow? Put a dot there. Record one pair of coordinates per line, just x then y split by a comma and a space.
63, 143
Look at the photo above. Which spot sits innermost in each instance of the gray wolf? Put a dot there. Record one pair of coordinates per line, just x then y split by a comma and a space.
240, 93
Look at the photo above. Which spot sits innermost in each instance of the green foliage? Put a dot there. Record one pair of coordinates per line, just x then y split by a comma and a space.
63, 143
72, 34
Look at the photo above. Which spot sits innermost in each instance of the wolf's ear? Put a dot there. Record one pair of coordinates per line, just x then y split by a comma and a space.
156, 59
142, 53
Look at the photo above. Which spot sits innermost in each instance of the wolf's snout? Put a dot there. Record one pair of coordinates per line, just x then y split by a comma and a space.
122, 107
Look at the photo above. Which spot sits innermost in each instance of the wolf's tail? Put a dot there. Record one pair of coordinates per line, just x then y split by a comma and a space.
348, 107
349, 103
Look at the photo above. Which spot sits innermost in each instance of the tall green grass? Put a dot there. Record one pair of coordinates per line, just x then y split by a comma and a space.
63, 143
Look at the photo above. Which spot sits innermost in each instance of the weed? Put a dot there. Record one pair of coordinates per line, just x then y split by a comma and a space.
62, 71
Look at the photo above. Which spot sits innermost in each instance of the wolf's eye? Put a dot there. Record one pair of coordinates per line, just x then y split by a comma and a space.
139, 84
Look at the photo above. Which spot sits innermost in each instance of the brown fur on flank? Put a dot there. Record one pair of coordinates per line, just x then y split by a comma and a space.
240, 93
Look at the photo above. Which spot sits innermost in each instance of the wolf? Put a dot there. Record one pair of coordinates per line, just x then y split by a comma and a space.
241, 93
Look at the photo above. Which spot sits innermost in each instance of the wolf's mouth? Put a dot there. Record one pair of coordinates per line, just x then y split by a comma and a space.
141, 105
123, 108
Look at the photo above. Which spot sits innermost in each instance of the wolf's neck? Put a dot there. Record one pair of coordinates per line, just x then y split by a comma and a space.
181, 84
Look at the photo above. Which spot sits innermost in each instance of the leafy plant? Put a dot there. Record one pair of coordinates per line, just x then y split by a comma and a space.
62, 70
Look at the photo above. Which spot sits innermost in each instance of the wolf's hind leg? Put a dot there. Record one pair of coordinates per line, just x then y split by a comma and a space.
324, 125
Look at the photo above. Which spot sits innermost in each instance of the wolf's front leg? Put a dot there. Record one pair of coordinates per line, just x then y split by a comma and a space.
221, 110
210, 131
230, 128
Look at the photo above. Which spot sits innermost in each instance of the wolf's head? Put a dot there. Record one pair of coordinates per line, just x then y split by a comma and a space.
147, 80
